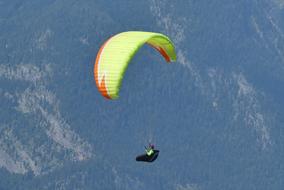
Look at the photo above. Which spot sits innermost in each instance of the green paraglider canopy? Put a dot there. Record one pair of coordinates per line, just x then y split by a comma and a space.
116, 53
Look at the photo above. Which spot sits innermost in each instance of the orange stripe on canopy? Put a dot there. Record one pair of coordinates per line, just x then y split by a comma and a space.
162, 52
101, 86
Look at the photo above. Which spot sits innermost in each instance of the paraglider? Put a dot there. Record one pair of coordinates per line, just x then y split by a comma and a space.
150, 156
116, 53
113, 59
